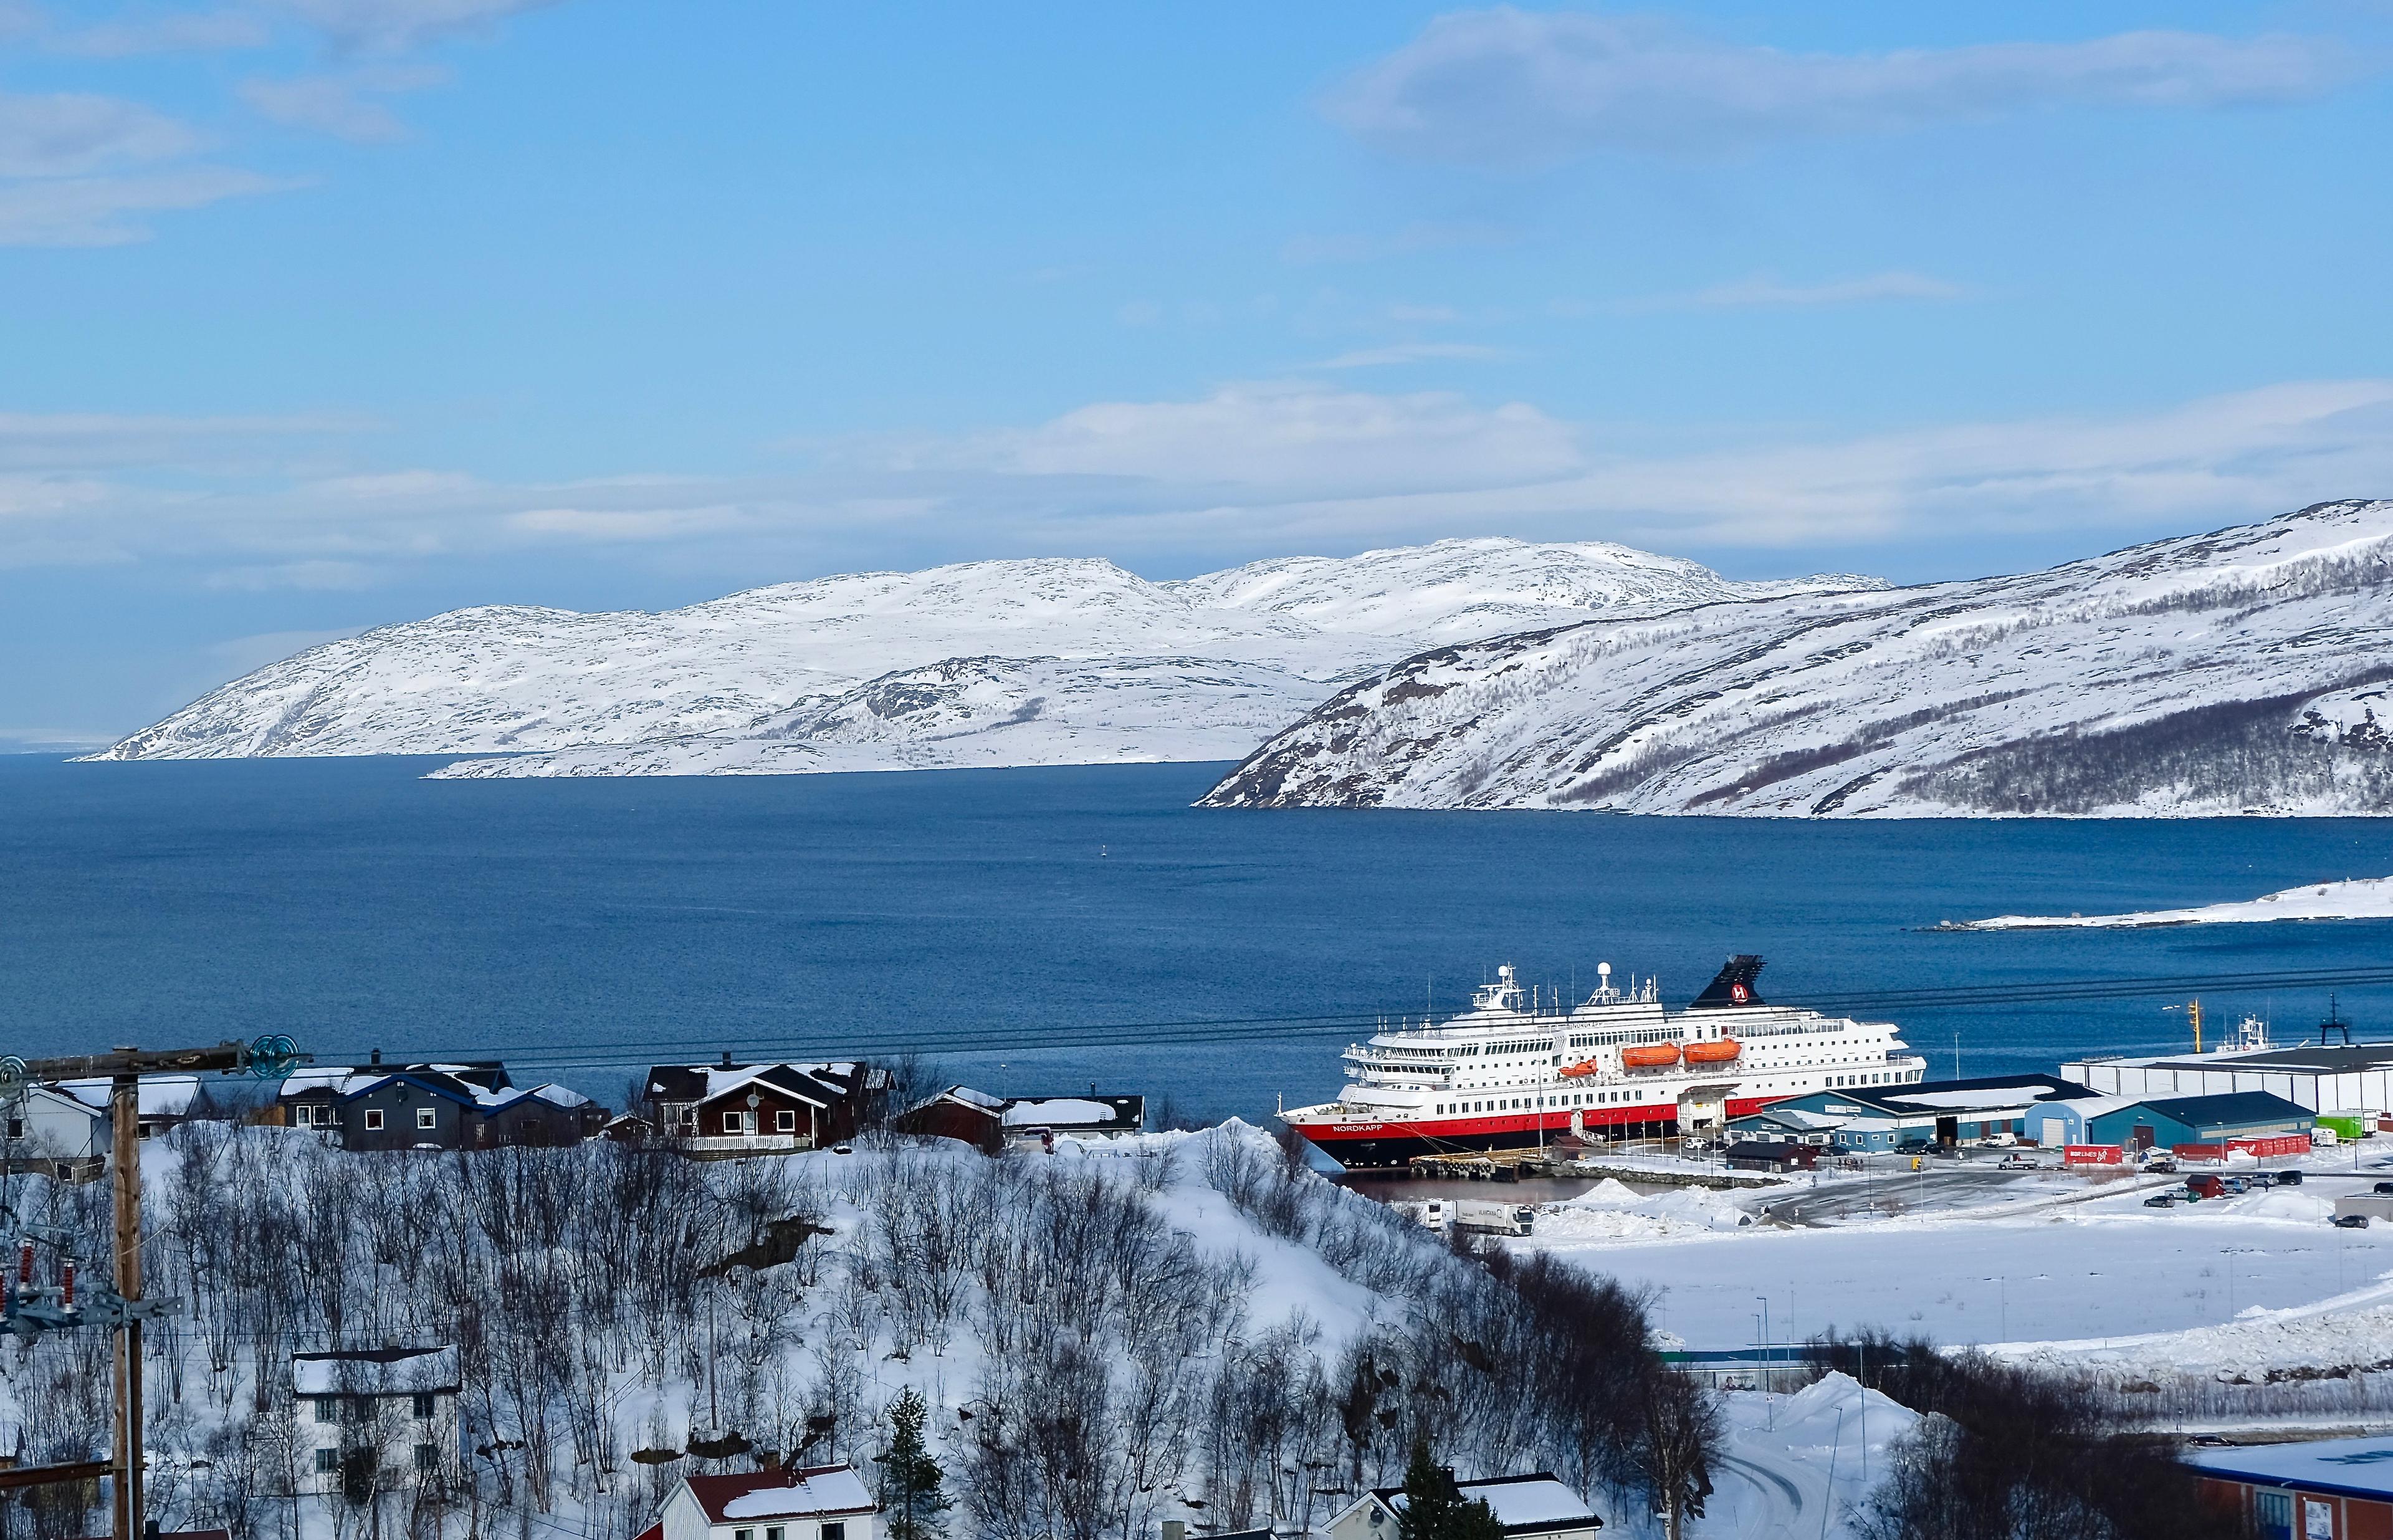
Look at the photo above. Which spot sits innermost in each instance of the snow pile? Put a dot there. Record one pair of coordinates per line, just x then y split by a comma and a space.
2353, 1330
1611, 1211
2359, 898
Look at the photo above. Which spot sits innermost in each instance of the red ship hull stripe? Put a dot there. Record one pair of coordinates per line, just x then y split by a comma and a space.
1555, 1120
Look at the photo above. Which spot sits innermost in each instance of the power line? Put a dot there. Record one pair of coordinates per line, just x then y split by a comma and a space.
883, 1039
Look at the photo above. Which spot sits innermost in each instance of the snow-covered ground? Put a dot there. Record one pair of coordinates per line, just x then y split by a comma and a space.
2359, 898
1049, 661
2028, 1265
1803, 1464
2224, 673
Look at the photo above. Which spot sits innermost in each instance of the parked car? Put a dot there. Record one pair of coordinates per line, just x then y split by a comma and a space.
2350, 1221
2238, 1185
2384, 1187
2288, 1179
2164, 1163
2165, 1200
2016, 1163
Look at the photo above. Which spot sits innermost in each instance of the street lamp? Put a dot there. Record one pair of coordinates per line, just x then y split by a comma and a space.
1771, 1407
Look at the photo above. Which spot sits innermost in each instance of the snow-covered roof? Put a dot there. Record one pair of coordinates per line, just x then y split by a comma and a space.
1519, 1503
161, 1095
562, 1096
2361, 1467
1074, 1112
1528, 1500
782, 1493
1984, 1099
375, 1372
976, 1098
1802, 1118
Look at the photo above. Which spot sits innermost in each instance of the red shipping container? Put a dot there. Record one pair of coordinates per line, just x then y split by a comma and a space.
2091, 1155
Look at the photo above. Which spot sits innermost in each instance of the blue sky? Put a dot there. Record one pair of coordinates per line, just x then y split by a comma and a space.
320, 314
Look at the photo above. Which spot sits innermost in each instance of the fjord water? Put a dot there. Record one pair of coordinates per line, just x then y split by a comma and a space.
578, 928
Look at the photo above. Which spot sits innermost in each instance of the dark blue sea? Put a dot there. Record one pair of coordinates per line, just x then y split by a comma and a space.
999, 919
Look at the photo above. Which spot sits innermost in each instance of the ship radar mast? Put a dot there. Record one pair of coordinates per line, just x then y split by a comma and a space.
1503, 994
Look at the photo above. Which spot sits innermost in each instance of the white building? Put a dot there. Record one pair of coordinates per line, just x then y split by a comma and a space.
1530, 1507
49, 1127
828, 1502
380, 1419
2325, 1077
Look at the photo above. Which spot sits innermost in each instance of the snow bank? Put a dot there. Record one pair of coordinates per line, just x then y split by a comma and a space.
2359, 898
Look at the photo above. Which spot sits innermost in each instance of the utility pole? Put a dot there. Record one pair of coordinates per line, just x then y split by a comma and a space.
122, 1307
124, 1158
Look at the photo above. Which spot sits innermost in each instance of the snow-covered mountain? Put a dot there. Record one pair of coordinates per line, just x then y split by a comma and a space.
2244, 671
1006, 663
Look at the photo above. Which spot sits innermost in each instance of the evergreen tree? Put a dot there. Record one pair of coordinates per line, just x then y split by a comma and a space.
1474, 1520
910, 1479
1432, 1501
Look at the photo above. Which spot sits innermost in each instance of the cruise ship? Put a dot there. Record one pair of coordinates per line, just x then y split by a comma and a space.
1514, 1070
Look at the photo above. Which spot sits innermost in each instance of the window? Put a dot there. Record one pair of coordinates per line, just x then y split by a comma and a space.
743, 1534
427, 1457
426, 1117
730, 1122
328, 1408
15, 1127
773, 1531
834, 1532
424, 1405
2274, 1513
327, 1459
374, 1119
785, 1121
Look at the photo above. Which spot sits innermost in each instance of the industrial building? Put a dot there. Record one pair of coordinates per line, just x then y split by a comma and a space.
2175, 1122
2324, 1076
1933, 1112
2332, 1489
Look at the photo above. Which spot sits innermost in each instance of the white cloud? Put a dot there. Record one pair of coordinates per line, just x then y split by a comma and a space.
1415, 352
69, 135
393, 26
103, 211
317, 576
341, 104
188, 32
1251, 467
1292, 434
1506, 87
1764, 291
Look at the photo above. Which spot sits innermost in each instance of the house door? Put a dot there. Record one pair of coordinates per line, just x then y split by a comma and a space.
2145, 1137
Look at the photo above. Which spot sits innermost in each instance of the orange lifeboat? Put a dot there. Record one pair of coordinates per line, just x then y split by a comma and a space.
1585, 1067
1720, 1052
1652, 1056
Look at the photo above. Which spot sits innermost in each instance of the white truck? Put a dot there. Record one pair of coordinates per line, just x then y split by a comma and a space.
1483, 1218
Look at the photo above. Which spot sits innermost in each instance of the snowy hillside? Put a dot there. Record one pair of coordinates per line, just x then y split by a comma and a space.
2232, 673
1014, 662
2357, 898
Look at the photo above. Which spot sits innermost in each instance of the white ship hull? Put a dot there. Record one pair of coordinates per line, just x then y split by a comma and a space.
1507, 1073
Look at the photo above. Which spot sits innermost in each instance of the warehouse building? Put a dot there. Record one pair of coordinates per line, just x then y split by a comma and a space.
2321, 1489
2324, 1077
2182, 1121
1933, 1112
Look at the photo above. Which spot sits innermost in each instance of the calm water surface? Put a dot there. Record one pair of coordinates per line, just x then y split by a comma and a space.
580, 927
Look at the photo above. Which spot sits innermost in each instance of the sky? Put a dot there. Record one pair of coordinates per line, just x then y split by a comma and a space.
317, 315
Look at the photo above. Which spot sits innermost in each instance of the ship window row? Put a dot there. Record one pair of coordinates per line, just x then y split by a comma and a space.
1524, 1103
